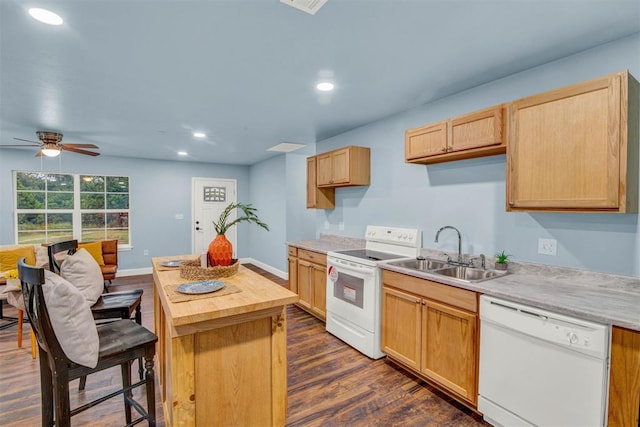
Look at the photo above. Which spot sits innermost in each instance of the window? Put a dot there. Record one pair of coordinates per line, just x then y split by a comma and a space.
54, 207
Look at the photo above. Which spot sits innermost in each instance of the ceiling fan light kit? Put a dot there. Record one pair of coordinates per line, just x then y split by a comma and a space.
50, 149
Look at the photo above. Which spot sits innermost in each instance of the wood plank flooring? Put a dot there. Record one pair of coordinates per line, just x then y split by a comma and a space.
330, 384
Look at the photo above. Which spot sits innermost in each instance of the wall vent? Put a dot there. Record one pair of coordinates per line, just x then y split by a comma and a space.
309, 6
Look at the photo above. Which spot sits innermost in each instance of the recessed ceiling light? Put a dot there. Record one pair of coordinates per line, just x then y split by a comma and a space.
285, 147
46, 16
182, 153
325, 86
199, 134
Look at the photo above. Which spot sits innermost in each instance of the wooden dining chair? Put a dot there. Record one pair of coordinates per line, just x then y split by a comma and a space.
120, 342
112, 305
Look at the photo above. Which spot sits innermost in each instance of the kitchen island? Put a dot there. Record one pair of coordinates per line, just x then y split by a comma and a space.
222, 359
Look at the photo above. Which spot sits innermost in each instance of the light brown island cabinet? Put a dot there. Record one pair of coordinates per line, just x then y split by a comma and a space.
222, 360
312, 282
477, 134
575, 148
347, 166
432, 329
318, 198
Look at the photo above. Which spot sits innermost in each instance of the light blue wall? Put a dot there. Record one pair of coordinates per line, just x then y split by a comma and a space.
301, 223
470, 194
267, 191
159, 191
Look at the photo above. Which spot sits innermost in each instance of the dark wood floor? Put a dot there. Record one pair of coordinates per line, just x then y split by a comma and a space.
330, 384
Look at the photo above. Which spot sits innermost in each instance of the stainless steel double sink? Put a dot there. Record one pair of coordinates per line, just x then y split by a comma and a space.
442, 268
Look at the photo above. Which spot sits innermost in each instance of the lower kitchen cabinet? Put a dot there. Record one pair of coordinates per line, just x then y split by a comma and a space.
293, 269
624, 380
309, 269
432, 329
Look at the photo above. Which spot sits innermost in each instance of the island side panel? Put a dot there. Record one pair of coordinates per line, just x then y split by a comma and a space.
279, 367
234, 382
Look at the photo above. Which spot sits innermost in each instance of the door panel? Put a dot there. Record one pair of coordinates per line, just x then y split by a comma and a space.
210, 196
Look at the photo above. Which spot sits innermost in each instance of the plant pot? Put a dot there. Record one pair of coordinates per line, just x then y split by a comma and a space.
220, 251
501, 265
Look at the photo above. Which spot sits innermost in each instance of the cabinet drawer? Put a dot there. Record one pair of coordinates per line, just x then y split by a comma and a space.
293, 251
456, 297
311, 256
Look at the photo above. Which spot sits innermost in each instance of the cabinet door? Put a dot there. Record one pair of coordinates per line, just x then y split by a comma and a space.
425, 141
293, 274
305, 276
479, 129
564, 148
317, 198
340, 166
449, 344
319, 290
401, 313
324, 169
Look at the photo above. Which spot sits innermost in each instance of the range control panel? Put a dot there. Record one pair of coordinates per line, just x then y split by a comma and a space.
393, 235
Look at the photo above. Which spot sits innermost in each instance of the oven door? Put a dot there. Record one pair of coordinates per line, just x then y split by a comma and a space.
351, 292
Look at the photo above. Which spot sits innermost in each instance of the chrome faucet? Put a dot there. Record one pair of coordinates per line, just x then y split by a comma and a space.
459, 262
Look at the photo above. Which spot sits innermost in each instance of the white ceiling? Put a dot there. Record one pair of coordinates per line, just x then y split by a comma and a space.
136, 77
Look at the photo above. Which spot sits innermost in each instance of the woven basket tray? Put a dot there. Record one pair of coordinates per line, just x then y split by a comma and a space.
192, 270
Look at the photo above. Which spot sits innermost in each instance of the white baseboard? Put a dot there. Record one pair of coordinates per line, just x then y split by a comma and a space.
281, 274
149, 270
135, 272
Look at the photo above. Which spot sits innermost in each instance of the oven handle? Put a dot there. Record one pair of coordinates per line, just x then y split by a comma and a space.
348, 266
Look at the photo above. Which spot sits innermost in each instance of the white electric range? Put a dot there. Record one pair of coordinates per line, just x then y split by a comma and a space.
354, 285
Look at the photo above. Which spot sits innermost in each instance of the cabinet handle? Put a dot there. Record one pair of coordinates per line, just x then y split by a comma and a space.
449, 148
424, 302
511, 203
444, 149
417, 301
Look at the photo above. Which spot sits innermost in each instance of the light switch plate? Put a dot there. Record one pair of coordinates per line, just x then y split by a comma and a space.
548, 247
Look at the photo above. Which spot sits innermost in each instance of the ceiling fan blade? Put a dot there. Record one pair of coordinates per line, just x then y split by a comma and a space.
27, 140
19, 145
39, 153
79, 145
78, 150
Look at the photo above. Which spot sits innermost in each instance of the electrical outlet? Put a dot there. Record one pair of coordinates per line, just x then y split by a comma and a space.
146, 252
326, 225
548, 247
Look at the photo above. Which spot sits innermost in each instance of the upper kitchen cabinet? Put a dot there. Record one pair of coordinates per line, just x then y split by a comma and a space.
317, 198
575, 149
348, 166
477, 134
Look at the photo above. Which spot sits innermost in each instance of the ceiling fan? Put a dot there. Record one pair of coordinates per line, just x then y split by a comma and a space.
50, 145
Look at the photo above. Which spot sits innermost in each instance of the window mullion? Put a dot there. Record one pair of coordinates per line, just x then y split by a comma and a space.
77, 212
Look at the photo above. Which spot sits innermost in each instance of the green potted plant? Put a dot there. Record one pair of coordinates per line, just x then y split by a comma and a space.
220, 249
502, 260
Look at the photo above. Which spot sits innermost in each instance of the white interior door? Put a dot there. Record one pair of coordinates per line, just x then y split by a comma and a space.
209, 198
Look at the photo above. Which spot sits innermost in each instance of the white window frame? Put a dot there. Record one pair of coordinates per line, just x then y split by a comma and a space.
76, 211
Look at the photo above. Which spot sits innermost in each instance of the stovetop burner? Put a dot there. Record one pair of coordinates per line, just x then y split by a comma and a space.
369, 254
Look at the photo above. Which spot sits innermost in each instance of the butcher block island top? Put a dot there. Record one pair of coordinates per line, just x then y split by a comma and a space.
222, 357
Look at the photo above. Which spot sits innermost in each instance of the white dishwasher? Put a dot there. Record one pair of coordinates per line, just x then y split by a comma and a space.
539, 368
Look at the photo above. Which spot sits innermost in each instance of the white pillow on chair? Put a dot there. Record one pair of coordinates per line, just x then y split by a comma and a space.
82, 270
71, 320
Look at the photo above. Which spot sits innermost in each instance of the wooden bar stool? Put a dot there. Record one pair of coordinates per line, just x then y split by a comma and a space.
113, 305
120, 342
